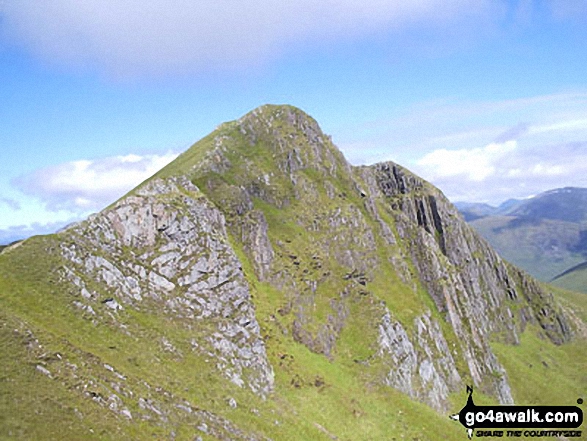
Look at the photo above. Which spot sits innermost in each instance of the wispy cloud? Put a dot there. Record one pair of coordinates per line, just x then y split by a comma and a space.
88, 185
572, 125
513, 133
498, 172
569, 9
138, 37
11, 203
459, 124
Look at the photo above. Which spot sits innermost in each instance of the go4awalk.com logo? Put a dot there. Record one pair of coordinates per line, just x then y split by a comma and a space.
518, 421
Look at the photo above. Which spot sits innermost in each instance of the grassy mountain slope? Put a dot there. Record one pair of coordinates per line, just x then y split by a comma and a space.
261, 287
58, 376
574, 279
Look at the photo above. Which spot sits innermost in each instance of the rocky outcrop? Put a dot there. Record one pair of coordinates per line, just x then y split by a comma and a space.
471, 286
253, 234
422, 366
166, 249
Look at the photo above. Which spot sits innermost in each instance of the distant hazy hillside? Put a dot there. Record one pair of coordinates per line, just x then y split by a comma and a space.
476, 210
567, 204
545, 235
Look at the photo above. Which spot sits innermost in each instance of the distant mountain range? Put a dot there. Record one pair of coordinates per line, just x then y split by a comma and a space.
546, 235
477, 210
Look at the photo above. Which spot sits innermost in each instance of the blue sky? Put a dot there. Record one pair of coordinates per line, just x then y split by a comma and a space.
487, 99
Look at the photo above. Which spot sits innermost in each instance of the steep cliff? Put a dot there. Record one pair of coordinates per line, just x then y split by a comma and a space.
262, 265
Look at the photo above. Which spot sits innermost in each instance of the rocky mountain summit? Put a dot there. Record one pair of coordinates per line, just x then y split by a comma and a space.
261, 272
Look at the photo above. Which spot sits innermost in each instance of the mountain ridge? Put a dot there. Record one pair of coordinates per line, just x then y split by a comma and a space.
261, 256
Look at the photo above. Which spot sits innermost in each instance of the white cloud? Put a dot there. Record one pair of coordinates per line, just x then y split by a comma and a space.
544, 170
84, 185
485, 151
513, 171
456, 125
475, 164
137, 37
559, 126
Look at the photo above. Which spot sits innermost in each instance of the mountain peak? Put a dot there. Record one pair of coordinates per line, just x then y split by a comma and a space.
282, 112
567, 204
285, 125
263, 149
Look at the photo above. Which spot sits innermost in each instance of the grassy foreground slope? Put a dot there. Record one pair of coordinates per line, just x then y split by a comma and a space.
57, 368
558, 373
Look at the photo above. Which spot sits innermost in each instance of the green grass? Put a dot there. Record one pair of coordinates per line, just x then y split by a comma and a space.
341, 396
541, 373
33, 406
31, 294
575, 280
573, 300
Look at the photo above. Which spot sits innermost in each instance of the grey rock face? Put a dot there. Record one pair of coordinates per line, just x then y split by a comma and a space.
471, 286
423, 366
167, 247
253, 227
